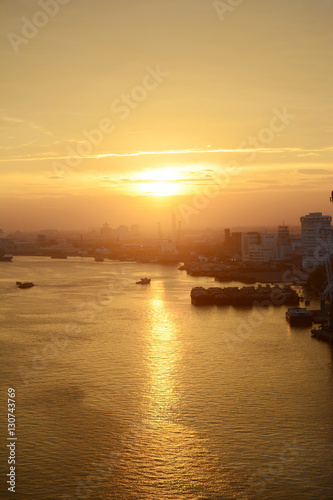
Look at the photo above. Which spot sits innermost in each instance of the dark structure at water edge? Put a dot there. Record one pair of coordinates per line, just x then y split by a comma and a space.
246, 296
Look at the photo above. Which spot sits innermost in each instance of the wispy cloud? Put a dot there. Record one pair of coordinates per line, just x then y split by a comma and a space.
12, 122
314, 171
43, 157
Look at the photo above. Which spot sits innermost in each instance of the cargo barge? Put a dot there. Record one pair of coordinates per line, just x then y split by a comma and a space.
246, 296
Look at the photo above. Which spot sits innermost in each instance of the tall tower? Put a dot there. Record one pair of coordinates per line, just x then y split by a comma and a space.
283, 242
283, 235
316, 231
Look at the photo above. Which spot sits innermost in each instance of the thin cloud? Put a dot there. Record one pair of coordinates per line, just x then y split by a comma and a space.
163, 153
314, 171
11, 122
307, 154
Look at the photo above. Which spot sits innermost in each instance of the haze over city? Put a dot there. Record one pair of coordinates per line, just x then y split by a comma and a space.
125, 111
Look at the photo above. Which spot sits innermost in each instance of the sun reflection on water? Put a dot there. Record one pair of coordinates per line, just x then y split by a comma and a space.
162, 361
167, 457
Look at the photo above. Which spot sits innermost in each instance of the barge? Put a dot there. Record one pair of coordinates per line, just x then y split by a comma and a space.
245, 297
299, 316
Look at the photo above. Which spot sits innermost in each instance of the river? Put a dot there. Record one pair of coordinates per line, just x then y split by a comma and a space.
129, 392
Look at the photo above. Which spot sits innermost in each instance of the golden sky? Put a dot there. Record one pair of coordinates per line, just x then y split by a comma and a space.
119, 111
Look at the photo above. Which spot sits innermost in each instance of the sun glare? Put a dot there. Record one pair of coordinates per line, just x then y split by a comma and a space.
160, 182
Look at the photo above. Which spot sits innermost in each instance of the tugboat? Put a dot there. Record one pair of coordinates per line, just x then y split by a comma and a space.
24, 284
299, 317
144, 281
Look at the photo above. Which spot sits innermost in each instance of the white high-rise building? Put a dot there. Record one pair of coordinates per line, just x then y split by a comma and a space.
316, 236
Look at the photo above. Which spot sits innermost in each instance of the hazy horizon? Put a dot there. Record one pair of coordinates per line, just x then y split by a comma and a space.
127, 111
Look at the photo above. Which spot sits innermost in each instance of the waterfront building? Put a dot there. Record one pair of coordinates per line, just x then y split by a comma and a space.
316, 237
259, 248
233, 243
283, 243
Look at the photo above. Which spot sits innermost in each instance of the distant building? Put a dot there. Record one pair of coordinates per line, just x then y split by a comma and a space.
50, 233
106, 232
316, 237
41, 240
283, 243
233, 243
134, 230
169, 252
259, 248
122, 232
283, 236
236, 242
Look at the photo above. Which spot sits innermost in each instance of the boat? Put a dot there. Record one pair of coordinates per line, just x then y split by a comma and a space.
324, 332
6, 258
99, 259
144, 281
247, 296
201, 297
299, 316
58, 256
24, 284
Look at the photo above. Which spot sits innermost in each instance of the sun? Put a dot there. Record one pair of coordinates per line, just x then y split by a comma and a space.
159, 182
162, 188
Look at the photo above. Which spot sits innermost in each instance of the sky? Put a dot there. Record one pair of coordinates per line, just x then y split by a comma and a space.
128, 111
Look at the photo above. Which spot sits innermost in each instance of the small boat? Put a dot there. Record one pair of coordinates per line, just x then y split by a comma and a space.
299, 316
24, 284
99, 259
324, 332
144, 281
6, 257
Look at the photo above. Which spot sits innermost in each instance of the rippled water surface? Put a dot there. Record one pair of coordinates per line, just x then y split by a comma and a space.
129, 392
